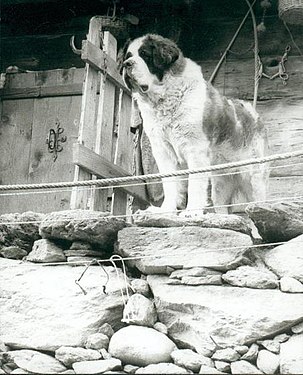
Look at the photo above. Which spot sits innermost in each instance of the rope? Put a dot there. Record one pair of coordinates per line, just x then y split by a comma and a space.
144, 183
150, 177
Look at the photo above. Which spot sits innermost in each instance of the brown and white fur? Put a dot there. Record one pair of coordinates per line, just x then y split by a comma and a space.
190, 125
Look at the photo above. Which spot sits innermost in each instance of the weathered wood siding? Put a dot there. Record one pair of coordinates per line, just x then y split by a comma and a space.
30, 106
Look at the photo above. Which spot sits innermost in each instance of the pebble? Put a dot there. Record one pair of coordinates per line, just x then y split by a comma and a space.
252, 353
226, 355
106, 329
141, 286
271, 345
140, 310
189, 359
13, 252
222, 366
97, 341
290, 285
97, 367
268, 362
297, 328
161, 327
130, 369
282, 337
244, 367
162, 368
69, 355
141, 346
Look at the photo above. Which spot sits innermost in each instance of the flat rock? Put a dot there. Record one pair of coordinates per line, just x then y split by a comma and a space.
97, 341
277, 221
41, 307
290, 285
244, 367
185, 247
251, 277
268, 362
69, 355
140, 310
83, 253
97, 367
189, 359
231, 316
286, 259
82, 225
193, 272
162, 368
228, 355
45, 251
13, 252
33, 361
209, 220
291, 355
141, 346
202, 280
20, 229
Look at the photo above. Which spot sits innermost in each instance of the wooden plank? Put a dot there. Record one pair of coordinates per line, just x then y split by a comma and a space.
98, 59
16, 119
105, 120
87, 131
42, 167
101, 167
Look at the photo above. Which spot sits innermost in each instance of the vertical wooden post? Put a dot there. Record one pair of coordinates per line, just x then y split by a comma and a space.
82, 198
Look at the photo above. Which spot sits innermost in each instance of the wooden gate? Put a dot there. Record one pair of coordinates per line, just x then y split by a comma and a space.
97, 127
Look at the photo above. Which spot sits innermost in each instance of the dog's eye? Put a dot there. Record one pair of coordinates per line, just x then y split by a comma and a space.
145, 55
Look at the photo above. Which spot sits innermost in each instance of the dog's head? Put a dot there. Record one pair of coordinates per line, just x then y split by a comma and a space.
147, 59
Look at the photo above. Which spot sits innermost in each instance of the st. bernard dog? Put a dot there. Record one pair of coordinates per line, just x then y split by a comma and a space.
190, 125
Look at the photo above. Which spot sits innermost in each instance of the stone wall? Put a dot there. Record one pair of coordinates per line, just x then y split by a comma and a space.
199, 295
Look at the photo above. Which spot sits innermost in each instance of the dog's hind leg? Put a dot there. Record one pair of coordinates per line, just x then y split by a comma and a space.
221, 193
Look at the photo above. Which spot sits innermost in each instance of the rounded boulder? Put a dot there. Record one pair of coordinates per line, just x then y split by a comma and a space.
141, 346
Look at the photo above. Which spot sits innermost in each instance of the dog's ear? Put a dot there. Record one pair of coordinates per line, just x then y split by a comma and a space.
121, 55
165, 53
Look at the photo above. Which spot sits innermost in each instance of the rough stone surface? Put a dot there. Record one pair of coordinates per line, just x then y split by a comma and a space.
241, 349
161, 327
290, 285
140, 286
244, 367
84, 253
277, 221
13, 252
202, 280
291, 355
33, 361
271, 345
44, 309
183, 247
228, 355
45, 251
140, 310
190, 360
192, 314
97, 367
251, 277
130, 369
69, 355
141, 346
283, 337
287, 259
209, 220
97, 341
252, 353
268, 362
193, 272
22, 235
91, 226
162, 368
80, 245
106, 329
222, 366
